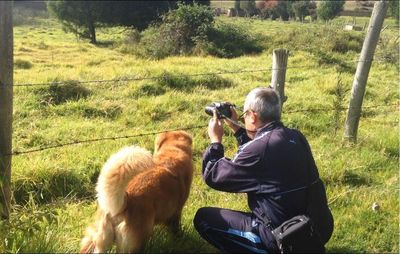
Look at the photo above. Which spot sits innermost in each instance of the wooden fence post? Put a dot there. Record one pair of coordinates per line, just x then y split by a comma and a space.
363, 67
279, 65
6, 98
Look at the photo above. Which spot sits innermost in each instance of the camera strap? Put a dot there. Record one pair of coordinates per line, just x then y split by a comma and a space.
237, 123
234, 122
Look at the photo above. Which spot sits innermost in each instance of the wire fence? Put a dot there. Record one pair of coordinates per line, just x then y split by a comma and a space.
129, 79
102, 139
75, 142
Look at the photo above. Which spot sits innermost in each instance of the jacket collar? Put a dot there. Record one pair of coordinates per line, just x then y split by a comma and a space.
268, 127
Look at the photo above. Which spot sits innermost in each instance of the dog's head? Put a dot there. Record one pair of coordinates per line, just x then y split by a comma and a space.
178, 139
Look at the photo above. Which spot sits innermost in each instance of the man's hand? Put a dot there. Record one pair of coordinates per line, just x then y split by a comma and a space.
234, 118
215, 129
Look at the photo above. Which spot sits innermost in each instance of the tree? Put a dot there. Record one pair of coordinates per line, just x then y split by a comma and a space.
327, 10
249, 6
82, 17
138, 14
39, 5
301, 9
199, 2
394, 10
279, 8
237, 4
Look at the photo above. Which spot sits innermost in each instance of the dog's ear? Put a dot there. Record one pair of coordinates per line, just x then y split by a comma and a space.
159, 142
184, 136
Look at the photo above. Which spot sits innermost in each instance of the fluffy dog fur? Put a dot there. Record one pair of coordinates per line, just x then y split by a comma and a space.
136, 191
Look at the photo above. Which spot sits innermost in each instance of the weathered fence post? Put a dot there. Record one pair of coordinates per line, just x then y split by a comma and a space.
363, 67
279, 65
6, 98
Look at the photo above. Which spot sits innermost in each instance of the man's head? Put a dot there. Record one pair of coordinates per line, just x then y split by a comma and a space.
262, 106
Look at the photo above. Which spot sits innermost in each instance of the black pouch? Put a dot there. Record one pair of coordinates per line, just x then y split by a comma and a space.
297, 235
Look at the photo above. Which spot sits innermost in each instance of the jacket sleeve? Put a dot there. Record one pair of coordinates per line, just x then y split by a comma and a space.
237, 175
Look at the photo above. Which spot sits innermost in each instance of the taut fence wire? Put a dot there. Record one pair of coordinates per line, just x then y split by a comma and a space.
75, 142
129, 79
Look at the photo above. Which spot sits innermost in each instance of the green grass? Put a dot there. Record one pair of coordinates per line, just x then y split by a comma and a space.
54, 198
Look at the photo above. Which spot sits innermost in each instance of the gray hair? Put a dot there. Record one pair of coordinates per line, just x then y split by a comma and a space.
265, 102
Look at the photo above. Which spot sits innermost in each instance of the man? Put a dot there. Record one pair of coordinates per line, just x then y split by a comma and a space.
274, 166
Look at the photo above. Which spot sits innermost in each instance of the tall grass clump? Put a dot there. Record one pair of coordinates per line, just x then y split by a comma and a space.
339, 93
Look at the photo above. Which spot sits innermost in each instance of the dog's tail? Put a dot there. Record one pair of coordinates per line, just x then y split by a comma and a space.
99, 236
116, 174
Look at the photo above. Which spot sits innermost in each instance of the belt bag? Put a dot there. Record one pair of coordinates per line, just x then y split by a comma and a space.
297, 235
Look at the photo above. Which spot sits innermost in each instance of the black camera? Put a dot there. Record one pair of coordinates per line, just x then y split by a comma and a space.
223, 109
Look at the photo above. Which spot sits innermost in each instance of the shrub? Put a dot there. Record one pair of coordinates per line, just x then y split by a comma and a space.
178, 32
228, 40
345, 42
154, 45
190, 29
388, 49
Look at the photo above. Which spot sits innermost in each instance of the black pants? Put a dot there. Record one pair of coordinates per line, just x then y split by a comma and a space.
233, 231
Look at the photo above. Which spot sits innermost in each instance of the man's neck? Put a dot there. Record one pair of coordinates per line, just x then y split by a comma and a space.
261, 125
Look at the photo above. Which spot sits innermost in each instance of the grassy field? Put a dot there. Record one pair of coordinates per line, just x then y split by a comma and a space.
53, 190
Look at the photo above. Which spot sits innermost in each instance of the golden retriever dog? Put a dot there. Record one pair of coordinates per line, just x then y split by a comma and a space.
136, 191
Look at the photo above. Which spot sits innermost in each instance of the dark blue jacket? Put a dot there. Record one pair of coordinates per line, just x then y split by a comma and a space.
274, 169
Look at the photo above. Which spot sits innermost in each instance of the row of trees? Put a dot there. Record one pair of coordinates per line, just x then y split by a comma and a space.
83, 17
295, 9
291, 9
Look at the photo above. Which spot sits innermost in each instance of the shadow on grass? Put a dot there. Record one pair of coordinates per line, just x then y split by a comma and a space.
341, 250
324, 58
188, 83
104, 44
349, 178
180, 82
188, 241
354, 179
56, 94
